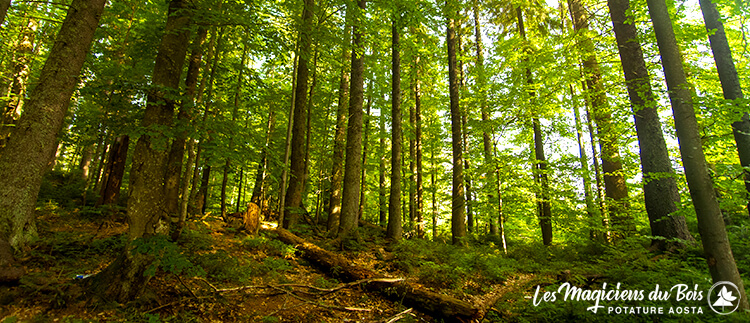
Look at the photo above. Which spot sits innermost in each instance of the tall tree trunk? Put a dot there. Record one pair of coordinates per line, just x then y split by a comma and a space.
339, 137
481, 85
434, 195
597, 171
235, 112
730, 84
308, 127
659, 183
614, 180
591, 210
382, 204
124, 279
353, 163
293, 198
260, 175
172, 186
458, 205
288, 145
540, 164
716, 246
412, 166
393, 231
206, 174
363, 185
185, 190
24, 159
418, 144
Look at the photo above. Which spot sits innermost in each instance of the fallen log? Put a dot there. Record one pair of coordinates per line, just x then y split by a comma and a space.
412, 294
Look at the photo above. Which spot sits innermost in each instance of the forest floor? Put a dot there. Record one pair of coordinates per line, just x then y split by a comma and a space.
221, 274
273, 283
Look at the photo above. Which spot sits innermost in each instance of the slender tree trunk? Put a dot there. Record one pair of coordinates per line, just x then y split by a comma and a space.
393, 231
418, 147
235, 112
730, 84
718, 252
434, 195
593, 212
597, 172
659, 183
24, 159
308, 128
614, 180
185, 190
350, 196
412, 166
382, 204
260, 176
288, 144
363, 185
293, 199
540, 164
458, 205
337, 171
172, 187
206, 175
481, 84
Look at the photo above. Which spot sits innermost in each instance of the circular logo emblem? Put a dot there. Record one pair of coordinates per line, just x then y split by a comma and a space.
724, 297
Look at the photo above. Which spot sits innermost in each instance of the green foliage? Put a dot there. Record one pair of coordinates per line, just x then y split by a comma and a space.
269, 246
167, 256
450, 266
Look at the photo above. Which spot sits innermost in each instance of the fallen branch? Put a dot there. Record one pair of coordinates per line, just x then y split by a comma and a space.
413, 294
398, 316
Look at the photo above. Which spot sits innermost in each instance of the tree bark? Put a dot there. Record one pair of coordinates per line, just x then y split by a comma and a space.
124, 279
365, 146
393, 231
235, 111
718, 252
293, 198
339, 137
481, 85
382, 204
544, 208
659, 183
458, 214
260, 176
730, 85
4, 5
353, 166
418, 147
184, 121
25, 158
288, 145
114, 171
614, 181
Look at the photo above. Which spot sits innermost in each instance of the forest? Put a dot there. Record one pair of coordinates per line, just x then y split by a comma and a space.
374, 161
